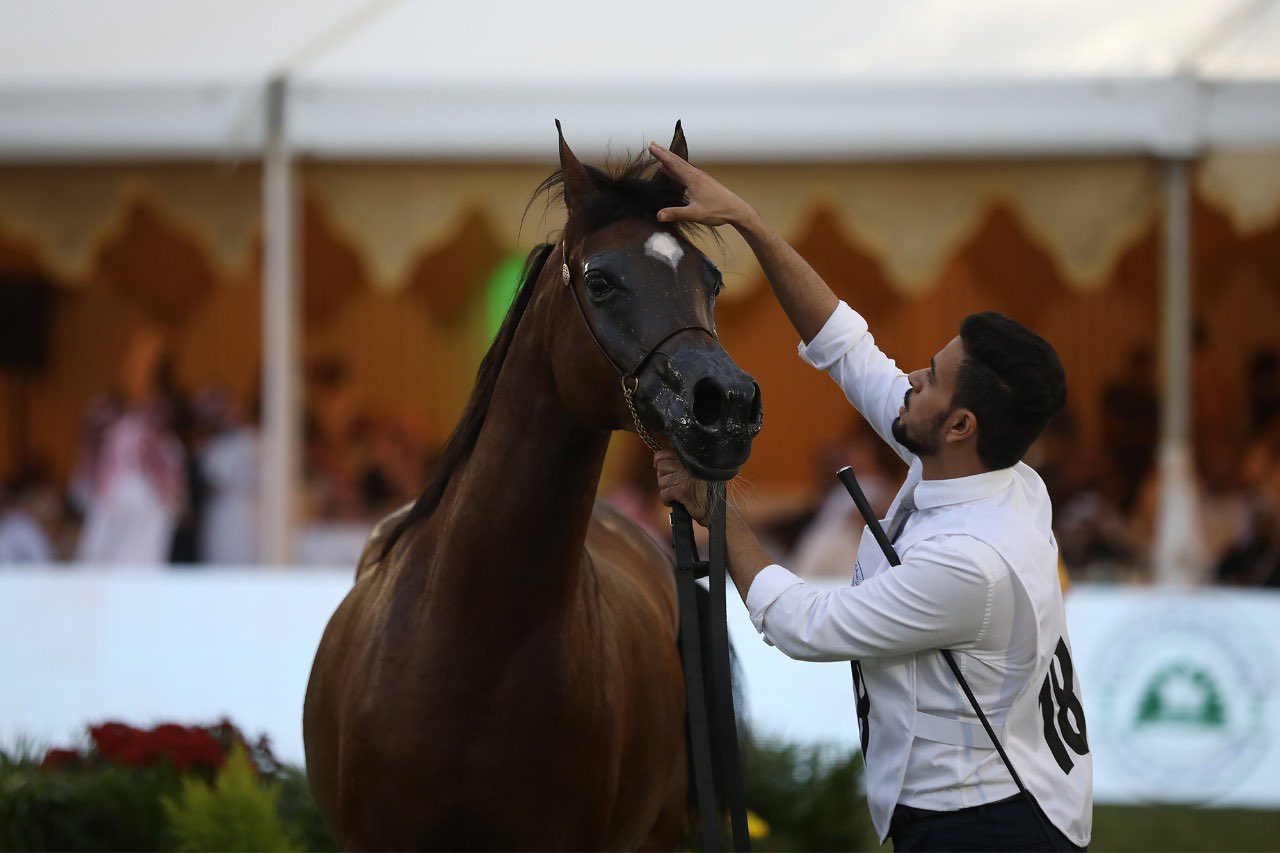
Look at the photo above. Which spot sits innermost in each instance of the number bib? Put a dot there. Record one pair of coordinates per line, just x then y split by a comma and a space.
1044, 733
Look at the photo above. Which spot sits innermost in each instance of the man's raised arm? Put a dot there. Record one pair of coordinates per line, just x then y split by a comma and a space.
801, 292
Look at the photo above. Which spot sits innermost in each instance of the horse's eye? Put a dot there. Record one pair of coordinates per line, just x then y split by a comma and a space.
598, 286
717, 284
716, 279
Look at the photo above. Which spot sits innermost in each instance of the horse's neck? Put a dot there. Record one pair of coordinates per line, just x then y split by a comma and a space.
517, 517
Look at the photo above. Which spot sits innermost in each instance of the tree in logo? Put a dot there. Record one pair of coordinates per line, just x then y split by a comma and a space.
1182, 694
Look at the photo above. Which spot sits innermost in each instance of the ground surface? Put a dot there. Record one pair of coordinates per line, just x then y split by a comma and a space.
1174, 828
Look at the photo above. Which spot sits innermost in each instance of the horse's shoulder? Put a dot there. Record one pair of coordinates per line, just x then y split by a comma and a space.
625, 556
612, 527
372, 553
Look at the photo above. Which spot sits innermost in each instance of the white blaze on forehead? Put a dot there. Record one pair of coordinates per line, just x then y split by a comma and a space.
663, 247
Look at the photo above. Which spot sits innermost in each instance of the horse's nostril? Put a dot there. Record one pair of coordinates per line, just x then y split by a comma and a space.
708, 402
757, 410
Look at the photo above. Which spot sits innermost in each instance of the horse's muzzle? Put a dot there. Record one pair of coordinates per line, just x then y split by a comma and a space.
706, 405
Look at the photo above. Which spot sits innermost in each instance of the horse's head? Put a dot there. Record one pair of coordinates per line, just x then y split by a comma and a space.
646, 295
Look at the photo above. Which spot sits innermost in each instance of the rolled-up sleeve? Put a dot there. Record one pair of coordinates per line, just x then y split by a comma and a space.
941, 597
870, 380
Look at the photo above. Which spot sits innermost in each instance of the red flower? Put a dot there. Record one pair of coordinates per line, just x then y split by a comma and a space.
119, 743
59, 758
184, 747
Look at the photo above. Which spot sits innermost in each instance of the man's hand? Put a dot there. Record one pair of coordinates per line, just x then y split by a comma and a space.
677, 485
801, 292
710, 203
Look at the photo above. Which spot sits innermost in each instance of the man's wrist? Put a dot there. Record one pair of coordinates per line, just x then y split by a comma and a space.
748, 222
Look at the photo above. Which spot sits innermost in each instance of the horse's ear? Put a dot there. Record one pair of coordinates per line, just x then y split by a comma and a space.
679, 147
577, 182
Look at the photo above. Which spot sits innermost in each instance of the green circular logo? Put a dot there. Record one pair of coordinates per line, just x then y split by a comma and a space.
1181, 698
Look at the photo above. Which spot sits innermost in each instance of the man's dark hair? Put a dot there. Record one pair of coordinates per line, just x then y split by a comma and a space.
1012, 381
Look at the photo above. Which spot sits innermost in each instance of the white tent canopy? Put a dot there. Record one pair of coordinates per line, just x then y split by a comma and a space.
827, 78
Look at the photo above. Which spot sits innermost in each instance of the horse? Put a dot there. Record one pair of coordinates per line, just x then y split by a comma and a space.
504, 672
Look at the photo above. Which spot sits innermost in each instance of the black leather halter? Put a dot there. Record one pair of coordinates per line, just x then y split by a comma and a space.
630, 377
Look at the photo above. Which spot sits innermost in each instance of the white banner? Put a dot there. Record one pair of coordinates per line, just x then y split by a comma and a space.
1181, 688
1181, 692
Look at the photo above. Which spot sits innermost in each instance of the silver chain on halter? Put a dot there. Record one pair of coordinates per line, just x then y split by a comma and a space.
644, 433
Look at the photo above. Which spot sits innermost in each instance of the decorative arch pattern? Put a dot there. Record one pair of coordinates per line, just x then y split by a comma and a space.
179, 246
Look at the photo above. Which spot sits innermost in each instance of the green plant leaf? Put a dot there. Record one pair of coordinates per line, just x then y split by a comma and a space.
239, 813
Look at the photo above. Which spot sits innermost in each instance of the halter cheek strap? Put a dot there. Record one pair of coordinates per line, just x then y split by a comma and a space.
630, 378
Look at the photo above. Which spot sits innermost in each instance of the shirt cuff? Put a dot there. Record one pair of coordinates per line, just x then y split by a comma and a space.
770, 583
841, 333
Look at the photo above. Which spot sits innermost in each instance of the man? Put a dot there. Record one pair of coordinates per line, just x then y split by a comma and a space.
978, 574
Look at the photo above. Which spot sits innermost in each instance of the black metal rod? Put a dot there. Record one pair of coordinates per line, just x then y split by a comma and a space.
868, 514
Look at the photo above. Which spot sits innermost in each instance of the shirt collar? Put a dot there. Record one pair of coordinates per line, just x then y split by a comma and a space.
935, 493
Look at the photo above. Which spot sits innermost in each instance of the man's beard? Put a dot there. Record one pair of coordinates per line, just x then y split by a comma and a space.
927, 446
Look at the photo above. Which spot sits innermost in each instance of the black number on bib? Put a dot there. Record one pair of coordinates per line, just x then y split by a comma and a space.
1062, 712
863, 705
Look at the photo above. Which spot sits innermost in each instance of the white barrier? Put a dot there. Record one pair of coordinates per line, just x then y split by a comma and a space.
146, 646
1180, 687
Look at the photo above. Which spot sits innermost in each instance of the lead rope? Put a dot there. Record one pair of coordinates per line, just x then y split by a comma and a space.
718, 718
697, 721
727, 718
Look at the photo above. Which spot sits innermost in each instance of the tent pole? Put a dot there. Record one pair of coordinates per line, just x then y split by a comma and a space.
280, 381
1178, 550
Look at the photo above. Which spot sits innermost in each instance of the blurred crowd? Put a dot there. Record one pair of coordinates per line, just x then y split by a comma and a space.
1105, 499
161, 475
167, 474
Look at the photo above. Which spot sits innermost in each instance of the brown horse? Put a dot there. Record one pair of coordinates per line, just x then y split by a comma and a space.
504, 672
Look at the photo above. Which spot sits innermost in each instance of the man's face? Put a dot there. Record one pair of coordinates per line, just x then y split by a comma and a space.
922, 420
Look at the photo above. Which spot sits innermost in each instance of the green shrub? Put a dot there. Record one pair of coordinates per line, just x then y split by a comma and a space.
133, 797
299, 813
238, 813
103, 808
810, 797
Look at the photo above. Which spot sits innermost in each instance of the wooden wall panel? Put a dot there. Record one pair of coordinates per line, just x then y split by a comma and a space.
91, 336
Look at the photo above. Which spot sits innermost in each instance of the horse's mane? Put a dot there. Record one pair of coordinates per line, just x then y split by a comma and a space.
628, 190
463, 439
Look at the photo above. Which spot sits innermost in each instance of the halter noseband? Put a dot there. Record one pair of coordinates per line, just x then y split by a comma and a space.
632, 375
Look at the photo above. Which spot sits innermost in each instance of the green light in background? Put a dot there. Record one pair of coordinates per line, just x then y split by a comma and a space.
500, 289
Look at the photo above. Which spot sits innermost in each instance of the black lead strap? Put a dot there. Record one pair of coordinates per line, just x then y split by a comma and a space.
701, 727
727, 725
688, 569
873, 524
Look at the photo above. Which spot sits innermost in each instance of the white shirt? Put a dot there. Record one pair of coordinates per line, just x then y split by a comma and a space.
951, 592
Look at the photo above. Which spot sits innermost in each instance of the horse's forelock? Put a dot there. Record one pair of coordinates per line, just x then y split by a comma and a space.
629, 188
